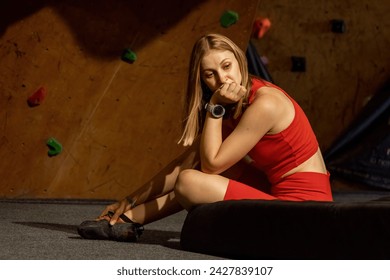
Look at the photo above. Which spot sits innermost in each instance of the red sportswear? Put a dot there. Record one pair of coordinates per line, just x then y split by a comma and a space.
276, 154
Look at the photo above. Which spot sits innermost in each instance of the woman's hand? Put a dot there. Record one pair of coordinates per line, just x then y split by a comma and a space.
117, 208
228, 93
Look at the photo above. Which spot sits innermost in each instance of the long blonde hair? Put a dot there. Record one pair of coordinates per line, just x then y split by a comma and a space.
195, 92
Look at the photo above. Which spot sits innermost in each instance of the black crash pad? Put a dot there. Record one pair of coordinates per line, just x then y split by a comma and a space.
260, 229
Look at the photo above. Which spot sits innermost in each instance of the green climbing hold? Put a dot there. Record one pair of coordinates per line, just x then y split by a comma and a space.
129, 56
55, 147
229, 18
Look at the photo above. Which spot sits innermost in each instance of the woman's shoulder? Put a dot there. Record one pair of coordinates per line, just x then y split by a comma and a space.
258, 85
272, 102
266, 98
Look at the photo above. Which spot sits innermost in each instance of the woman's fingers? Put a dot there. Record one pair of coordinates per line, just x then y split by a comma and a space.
232, 92
109, 208
115, 217
122, 208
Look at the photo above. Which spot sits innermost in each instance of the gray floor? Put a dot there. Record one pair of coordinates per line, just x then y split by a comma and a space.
46, 230
42, 230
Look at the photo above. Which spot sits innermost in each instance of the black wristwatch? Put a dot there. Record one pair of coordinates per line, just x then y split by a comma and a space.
217, 111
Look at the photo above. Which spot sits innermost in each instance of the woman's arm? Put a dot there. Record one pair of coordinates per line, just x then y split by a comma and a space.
260, 117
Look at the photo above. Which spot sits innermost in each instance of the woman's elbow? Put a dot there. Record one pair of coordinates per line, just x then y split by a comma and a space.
210, 169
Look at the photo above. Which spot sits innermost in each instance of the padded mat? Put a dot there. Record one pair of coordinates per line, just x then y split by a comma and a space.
259, 229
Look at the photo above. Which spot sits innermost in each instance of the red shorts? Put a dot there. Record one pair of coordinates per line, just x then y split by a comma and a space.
296, 187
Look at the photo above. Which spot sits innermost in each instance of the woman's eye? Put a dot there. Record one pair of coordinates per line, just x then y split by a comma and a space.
208, 75
226, 66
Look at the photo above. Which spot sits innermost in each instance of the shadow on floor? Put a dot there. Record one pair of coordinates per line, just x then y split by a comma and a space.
169, 239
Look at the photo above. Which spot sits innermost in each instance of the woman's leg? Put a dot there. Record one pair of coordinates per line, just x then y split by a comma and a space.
192, 187
195, 187
155, 209
154, 193
164, 181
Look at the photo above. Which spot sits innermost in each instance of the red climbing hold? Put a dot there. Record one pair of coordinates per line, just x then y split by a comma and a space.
37, 98
260, 27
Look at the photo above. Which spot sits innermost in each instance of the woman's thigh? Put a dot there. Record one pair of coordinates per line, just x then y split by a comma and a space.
237, 191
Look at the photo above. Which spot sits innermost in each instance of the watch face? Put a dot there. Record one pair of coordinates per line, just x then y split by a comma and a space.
218, 111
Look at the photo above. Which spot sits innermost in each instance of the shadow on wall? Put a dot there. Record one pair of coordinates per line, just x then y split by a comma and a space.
101, 26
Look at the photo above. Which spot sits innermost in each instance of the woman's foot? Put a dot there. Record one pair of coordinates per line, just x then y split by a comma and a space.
97, 229
124, 230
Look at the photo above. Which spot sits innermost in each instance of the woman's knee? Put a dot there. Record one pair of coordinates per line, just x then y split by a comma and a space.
195, 187
185, 180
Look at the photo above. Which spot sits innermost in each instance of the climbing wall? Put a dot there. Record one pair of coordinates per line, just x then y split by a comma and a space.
112, 124
344, 70
344, 67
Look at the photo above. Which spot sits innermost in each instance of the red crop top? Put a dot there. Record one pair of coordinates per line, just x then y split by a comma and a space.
276, 154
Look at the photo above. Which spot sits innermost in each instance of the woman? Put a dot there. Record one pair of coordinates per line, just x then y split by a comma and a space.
244, 122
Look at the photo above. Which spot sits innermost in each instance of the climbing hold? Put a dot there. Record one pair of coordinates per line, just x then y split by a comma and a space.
228, 18
260, 27
338, 25
298, 64
55, 147
129, 56
264, 59
37, 97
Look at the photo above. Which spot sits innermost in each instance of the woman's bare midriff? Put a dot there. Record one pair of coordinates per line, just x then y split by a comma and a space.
314, 164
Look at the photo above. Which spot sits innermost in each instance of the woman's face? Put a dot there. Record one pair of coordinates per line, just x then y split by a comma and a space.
219, 67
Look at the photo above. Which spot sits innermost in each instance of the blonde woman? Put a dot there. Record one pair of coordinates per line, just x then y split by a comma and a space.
238, 127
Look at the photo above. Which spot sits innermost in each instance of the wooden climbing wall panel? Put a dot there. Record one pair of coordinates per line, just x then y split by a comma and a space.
118, 123
343, 70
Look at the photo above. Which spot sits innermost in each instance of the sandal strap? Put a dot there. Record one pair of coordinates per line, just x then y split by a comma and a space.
123, 217
126, 219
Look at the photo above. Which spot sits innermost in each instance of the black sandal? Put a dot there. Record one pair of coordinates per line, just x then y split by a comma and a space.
102, 230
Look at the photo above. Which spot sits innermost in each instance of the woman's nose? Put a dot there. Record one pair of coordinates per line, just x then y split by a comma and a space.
221, 79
